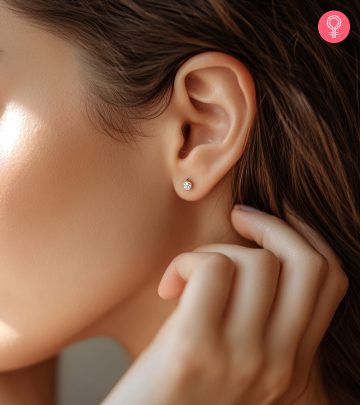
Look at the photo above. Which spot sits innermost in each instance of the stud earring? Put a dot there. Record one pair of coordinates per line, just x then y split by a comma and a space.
187, 185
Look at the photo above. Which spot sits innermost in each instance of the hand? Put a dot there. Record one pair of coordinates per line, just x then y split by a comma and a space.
248, 322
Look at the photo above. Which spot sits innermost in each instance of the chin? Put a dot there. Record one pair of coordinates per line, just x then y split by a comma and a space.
18, 352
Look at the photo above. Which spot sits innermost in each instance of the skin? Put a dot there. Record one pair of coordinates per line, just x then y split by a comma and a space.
34, 385
87, 225
254, 352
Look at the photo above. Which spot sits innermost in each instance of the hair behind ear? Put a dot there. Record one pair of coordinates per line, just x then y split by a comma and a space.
304, 147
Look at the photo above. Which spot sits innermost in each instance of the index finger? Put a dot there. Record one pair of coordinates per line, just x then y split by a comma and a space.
206, 278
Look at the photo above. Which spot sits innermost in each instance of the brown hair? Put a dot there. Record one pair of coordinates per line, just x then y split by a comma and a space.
304, 148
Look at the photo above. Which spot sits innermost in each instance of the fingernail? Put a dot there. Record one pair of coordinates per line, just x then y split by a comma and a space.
245, 208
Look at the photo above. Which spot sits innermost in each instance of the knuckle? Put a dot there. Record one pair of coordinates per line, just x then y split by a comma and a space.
221, 259
276, 220
342, 282
268, 255
219, 262
317, 264
317, 260
267, 262
269, 258
321, 265
216, 259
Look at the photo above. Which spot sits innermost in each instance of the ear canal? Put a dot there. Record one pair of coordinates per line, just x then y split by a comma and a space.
186, 134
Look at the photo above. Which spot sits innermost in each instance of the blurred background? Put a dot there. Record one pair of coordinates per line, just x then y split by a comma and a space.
88, 370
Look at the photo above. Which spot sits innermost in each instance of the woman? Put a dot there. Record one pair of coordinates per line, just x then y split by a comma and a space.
128, 131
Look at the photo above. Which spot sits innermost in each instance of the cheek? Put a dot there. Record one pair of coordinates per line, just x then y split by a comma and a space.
65, 247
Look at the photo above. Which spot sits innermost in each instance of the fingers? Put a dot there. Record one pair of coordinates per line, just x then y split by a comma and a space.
206, 279
330, 297
272, 233
332, 293
298, 290
302, 274
252, 295
252, 298
291, 286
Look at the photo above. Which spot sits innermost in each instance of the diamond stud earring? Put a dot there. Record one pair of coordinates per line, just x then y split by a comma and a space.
187, 185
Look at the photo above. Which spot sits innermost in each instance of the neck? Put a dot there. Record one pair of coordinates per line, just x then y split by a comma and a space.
134, 322
34, 385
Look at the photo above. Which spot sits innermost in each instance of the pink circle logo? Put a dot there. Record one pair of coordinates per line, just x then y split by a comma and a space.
334, 26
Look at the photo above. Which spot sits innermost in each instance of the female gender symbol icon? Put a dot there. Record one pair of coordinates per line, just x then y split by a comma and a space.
333, 28
337, 22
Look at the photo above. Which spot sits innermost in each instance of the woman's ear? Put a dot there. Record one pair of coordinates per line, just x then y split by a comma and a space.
212, 108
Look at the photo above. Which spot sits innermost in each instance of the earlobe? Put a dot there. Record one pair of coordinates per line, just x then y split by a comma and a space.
214, 96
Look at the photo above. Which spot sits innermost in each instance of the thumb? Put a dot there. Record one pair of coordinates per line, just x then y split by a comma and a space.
171, 284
